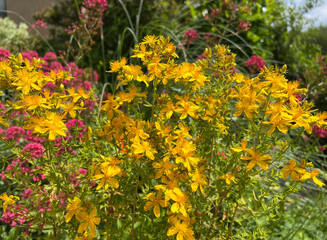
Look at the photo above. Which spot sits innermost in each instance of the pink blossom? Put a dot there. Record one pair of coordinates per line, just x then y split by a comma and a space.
30, 138
14, 132
50, 56
4, 54
35, 150
30, 55
27, 193
100, 4
255, 64
82, 171
40, 24
190, 36
319, 132
243, 26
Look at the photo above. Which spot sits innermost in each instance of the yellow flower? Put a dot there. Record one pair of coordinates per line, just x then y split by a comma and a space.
107, 177
242, 148
31, 102
182, 229
247, 106
117, 65
155, 203
168, 109
281, 123
71, 109
180, 200
144, 147
290, 169
313, 175
74, 208
228, 177
89, 221
255, 158
25, 80
110, 106
137, 130
52, 124
199, 180
165, 167
7, 200
150, 40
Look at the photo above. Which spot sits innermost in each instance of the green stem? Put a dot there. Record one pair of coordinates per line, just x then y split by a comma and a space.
289, 145
154, 97
134, 205
210, 160
231, 223
217, 210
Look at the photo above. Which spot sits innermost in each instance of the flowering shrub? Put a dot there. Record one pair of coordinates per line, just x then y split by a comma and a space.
12, 36
172, 155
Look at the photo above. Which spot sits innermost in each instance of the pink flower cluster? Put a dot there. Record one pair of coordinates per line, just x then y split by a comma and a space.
4, 54
29, 137
255, 64
243, 26
40, 24
190, 36
15, 214
319, 132
96, 4
214, 13
34, 150
14, 133
19, 167
222, 154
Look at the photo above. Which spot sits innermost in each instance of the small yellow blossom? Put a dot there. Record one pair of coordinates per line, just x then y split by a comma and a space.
8, 200
255, 158
89, 221
313, 175
74, 208
155, 202
181, 228
229, 177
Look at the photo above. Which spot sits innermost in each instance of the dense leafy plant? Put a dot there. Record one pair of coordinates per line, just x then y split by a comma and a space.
173, 152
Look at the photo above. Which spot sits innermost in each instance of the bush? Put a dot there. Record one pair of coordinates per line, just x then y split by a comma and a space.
173, 152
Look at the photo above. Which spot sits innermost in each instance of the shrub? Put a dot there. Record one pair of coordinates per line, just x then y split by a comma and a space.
173, 152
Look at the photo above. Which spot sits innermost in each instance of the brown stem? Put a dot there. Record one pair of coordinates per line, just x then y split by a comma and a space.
231, 223
210, 161
217, 210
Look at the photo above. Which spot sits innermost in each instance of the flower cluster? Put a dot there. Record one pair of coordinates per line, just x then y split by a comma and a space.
40, 25
190, 36
255, 64
243, 26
